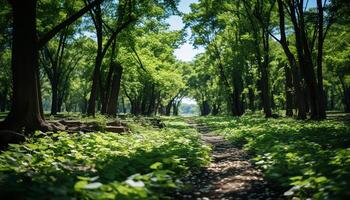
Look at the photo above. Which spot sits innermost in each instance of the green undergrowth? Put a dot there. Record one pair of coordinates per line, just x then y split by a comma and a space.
145, 164
309, 159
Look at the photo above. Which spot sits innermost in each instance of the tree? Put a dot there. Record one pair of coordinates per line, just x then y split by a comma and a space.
26, 109
128, 12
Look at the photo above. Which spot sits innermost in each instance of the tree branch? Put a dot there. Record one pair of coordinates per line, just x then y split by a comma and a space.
49, 35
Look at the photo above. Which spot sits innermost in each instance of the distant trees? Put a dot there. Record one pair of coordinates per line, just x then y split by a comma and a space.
152, 75
238, 37
33, 26
293, 56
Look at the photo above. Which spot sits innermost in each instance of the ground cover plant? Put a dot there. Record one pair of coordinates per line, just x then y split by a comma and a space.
310, 159
90, 91
145, 164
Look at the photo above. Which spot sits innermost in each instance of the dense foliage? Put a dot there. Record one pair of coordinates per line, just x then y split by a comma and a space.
309, 159
270, 55
90, 61
144, 164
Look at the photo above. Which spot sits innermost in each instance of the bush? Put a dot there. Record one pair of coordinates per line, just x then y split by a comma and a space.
146, 164
310, 159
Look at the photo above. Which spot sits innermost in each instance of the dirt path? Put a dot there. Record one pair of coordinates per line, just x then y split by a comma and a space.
230, 175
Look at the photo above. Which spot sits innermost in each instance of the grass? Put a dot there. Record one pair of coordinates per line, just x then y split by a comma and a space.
309, 159
145, 164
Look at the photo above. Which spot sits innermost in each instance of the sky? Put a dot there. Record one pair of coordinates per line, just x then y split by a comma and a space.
186, 52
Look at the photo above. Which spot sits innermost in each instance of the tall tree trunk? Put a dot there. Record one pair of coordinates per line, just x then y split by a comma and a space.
321, 98
216, 109
152, 101
347, 99
251, 95
54, 99
205, 108
168, 107
289, 91
108, 85
112, 107
2, 103
346, 94
106, 93
91, 111
305, 56
332, 100
25, 108
299, 93
175, 109
265, 76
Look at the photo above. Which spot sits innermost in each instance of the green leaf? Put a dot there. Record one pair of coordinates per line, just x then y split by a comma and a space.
157, 165
92, 186
80, 185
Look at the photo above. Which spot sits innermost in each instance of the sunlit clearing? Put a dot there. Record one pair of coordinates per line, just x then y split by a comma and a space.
188, 107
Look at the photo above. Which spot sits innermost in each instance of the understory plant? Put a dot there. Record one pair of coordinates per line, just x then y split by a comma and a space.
145, 164
309, 159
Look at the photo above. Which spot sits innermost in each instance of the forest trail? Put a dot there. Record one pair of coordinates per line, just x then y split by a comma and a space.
230, 175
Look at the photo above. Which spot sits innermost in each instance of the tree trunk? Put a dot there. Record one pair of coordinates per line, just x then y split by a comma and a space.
289, 91
3, 101
347, 99
265, 76
205, 108
54, 99
251, 97
299, 94
175, 109
2, 105
216, 109
346, 95
91, 111
321, 98
107, 92
332, 100
25, 108
168, 107
305, 57
112, 107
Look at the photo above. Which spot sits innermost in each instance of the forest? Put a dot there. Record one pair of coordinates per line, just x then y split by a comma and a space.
97, 100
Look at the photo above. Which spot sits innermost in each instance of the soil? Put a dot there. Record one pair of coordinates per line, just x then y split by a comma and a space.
230, 175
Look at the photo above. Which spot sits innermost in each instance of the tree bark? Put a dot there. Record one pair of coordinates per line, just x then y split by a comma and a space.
299, 93
346, 94
321, 100
97, 18
54, 102
25, 108
347, 99
112, 107
305, 58
168, 107
205, 108
288, 90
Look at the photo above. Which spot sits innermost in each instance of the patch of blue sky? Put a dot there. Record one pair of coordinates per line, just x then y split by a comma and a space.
186, 52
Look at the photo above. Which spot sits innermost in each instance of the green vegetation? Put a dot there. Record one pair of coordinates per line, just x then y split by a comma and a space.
77, 75
311, 159
144, 164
